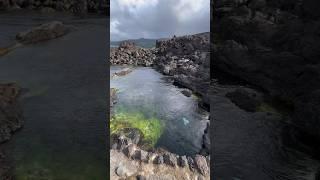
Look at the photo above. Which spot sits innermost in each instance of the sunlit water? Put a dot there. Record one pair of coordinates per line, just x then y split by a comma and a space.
63, 100
146, 91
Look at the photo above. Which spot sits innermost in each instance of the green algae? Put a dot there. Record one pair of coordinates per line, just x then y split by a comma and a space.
265, 107
42, 166
151, 128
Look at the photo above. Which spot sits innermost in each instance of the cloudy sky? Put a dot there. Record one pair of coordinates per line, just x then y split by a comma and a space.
132, 19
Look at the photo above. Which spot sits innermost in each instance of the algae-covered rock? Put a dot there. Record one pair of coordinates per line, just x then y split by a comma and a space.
150, 128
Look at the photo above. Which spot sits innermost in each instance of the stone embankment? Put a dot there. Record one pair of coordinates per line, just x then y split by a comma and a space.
273, 45
128, 161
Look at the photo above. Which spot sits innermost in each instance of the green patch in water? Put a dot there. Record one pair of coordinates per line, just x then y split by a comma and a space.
42, 166
151, 128
265, 107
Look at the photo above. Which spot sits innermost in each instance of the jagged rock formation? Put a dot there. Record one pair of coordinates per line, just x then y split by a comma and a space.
46, 6
187, 59
273, 45
43, 32
129, 54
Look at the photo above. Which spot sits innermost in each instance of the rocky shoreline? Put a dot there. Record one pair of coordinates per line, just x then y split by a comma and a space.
11, 120
273, 46
187, 60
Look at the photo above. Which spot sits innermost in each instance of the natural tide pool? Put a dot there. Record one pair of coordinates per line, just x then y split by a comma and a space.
146, 94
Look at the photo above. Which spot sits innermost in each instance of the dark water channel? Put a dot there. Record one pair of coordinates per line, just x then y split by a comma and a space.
64, 99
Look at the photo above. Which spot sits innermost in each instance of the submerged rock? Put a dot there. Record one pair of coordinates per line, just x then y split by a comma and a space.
186, 92
245, 98
4, 51
123, 72
43, 32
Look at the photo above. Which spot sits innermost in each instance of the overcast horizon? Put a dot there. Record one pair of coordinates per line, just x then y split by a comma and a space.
154, 19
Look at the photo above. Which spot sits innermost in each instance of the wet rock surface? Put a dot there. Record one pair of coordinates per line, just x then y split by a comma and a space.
10, 121
272, 45
43, 32
10, 112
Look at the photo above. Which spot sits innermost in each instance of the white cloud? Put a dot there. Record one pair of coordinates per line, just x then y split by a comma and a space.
158, 18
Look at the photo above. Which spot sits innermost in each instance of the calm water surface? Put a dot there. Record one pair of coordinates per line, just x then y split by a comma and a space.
146, 91
64, 99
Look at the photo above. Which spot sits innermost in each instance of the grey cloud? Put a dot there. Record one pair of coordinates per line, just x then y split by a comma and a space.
162, 20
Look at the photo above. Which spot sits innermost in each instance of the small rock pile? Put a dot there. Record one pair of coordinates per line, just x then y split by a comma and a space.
129, 54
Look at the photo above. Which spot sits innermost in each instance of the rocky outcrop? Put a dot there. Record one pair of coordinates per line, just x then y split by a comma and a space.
48, 6
10, 121
10, 112
113, 99
187, 59
129, 161
43, 32
129, 54
123, 72
273, 45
